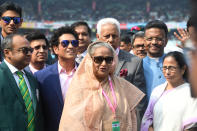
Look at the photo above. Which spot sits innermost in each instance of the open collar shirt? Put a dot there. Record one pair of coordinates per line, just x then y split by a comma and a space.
65, 78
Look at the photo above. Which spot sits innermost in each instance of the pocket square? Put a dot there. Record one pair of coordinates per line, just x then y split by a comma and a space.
123, 72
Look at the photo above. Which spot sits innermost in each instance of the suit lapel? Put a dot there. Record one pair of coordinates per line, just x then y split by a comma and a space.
56, 80
12, 82
121, 62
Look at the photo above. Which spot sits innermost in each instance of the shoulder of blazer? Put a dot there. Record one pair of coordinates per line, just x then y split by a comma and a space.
51, 69
126, 56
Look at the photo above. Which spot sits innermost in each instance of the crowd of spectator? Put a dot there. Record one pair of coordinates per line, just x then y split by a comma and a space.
93, 10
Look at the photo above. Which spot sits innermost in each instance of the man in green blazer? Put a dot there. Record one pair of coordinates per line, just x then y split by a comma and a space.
19, 97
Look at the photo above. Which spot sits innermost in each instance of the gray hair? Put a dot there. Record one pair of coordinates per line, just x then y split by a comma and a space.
97, 44
139, 34
107, 21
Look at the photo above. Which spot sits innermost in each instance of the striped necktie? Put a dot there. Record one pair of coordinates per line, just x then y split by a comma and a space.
27, 100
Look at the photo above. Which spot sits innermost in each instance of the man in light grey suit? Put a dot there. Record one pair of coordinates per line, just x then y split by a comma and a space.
129, 66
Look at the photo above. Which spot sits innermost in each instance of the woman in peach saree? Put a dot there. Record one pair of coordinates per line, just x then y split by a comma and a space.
97, 100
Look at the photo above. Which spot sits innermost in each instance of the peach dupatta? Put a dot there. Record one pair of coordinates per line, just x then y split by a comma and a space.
85, 108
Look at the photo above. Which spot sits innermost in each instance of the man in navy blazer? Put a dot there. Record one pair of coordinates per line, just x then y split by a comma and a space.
54, 80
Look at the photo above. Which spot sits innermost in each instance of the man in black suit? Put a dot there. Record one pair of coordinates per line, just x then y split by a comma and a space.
10, 20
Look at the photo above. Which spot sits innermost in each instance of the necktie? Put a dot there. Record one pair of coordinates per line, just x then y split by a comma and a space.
27, 100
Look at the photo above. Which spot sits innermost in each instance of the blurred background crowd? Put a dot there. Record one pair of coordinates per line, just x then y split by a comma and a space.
93, 10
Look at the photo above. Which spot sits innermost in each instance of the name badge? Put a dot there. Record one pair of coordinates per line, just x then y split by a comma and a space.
115, 126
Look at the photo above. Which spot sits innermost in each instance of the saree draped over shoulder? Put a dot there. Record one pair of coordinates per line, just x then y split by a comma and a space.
86, 109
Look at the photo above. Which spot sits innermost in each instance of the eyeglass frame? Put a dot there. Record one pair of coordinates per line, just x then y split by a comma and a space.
156, 38
44, 47
106, 59
169, 68
19, 19
70, 42
25, 50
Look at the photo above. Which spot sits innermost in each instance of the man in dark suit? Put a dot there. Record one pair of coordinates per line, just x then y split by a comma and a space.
10, 20
39, 44
54, 80
129, 66
19, 105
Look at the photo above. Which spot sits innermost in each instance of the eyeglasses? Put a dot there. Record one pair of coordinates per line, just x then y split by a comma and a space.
170, 68
138, 46
25, 50
74, 43
44, 47
8, 19
100, 59
150, 39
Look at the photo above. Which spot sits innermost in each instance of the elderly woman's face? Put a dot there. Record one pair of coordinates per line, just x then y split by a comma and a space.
171, 70
102, 62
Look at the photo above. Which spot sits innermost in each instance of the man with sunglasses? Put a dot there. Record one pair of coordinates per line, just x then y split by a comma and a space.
10, 20
54, 80
39, 44
19, 96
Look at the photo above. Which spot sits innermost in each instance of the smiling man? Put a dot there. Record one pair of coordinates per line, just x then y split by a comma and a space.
39, 44
54, 80
11, 20
155, 40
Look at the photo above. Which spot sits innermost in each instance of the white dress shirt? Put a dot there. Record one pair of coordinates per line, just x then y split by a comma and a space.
16, 77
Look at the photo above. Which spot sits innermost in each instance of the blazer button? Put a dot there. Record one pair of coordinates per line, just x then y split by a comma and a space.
159, 77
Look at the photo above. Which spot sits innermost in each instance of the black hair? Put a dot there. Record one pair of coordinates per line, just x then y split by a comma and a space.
36, 36
157, 24
10, 6
190, 23
60, 31
82, 23
126, 39
193, 13
179, 57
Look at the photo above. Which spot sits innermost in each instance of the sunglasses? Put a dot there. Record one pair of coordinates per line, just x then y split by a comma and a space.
100, 59
44, 47
74, 43
25, 50
8, 19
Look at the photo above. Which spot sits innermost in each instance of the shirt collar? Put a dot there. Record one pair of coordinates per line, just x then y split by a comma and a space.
12, 68
33, 70
82, 54
61, 69
1, 39
117, 50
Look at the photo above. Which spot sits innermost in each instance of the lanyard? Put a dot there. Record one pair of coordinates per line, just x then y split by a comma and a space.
113, 108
